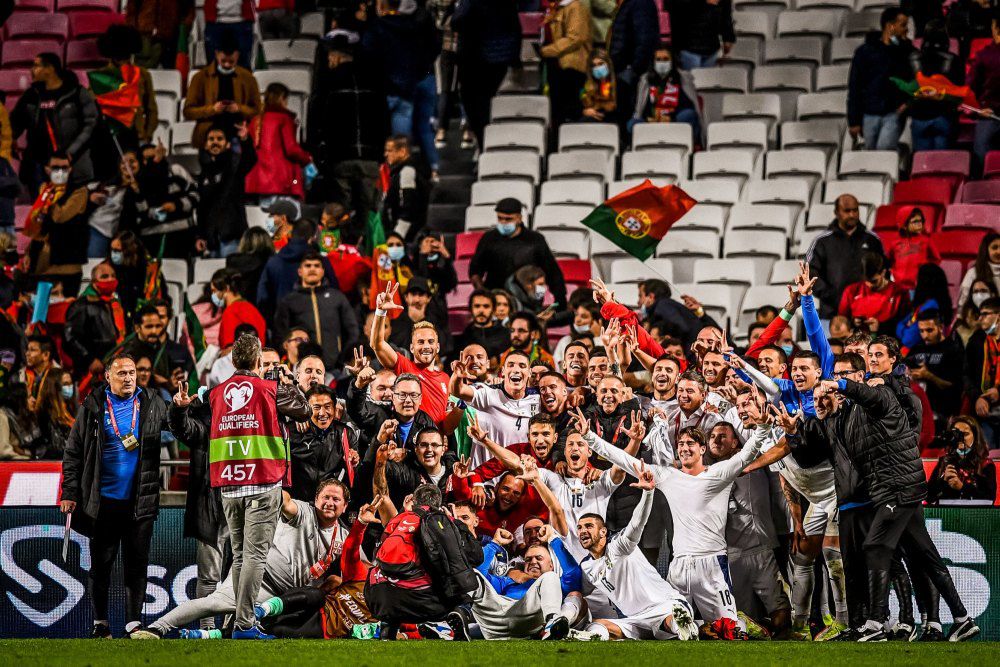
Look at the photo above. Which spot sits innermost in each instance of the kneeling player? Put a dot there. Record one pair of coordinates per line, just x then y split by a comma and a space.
653, 609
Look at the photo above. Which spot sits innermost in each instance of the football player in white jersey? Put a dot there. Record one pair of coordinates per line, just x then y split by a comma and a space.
699, 501
651, 607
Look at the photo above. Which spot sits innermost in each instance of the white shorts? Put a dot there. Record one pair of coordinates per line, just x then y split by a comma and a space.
755, 573
648, 624
822, 518
704, 581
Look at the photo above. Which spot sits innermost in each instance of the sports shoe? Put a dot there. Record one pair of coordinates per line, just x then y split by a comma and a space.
830, 632
903, 632
584, 636
931, 635
791, 635
754, 629
848, 635
687, 629
468, 141
868, 634
959, 632
200, 634
144, 633
459, 624
435, 631
100, 631
557, 627
256, 632
440, 140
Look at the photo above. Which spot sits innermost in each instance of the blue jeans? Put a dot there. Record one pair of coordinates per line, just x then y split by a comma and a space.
400, 115
933, 134
691, 60
244, 38
227, 248
424, 106
881, 133
99, 245
984, 140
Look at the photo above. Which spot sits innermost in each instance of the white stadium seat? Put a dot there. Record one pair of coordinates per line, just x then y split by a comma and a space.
831, 78
204, 267
883, 165
181, 138
808, 50
727, 163
579, 192
647, 136
842, 49
548, 216
784, 272
744, 134
507, 108
490, 192
725, 271
705, 217
660, 163
775, 217
806, 163
631, 270
763, 106
289, 53
514, 136
814, 106
576, 136
684, 247
757, 296
821, 23
510, 165
568, 242
819, 134
867, 192
721, 80
593, 163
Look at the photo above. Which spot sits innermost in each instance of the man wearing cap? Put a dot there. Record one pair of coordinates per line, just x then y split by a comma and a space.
282, 214
506, 248
404, 208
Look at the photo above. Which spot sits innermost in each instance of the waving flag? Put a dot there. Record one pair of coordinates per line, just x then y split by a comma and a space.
117, 92
938, 86
637, 219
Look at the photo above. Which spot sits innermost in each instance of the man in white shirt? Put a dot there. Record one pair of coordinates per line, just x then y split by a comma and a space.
650, 607
503, 412
699, 501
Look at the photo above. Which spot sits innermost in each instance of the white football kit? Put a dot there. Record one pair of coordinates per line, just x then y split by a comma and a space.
698, 505
816, 485
578, 498
504, 419
638, 592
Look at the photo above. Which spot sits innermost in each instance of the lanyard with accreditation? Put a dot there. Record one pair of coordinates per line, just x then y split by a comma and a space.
129, 442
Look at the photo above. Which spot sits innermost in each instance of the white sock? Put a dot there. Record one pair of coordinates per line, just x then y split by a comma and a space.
129, 627
933, 624
572, 608
96, 622
600, 631
803, 579
835, 570
961, 619
873, 625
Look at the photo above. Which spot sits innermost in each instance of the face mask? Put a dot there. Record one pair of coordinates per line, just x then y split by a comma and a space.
396, 252
540, 291
643, 312
224, 70
117, 257
600, 71
507, 228
106, 287
663, 67
979, 297
218, 301
961, 452
433, 257
581, 328
67, 391
59, 176
270, 226
788, 349
990, 331
894, 40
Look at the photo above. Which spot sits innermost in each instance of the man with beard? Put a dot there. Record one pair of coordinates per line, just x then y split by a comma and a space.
425, 348
689, 410
222, 218
307, 535
576, 360
403, 409
750, 535
526, 336
149, 339
503, 412
484, 330
664, 374
513, 501
598, 365
554, 396
715, 372
699, 501
648, 606
399, 472
541, 438
328, 449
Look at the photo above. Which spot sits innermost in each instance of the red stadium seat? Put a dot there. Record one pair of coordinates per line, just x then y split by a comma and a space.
953, 270
35, 25
84, 54
91, 23
465, 244
888, 237
531, 24
575, 271
973, 216
890, 217
22, 53
459, 298
959, 244
664, 24
940, 163
991, 167
981, 192
90, 5
462, 269
36, 6
926, 190
975, 47
14, 81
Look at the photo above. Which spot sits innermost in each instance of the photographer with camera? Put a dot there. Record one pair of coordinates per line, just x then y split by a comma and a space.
965, 472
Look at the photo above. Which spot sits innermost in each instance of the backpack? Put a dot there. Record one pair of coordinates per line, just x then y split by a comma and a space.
398, 556
450, 553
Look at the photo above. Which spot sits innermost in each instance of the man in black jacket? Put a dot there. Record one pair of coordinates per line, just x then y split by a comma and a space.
348, 122
225, 164
404, 209
835, 255
699, 28
327, 449
92, 321
398, 471
656, 302
632, 42
111, 469
509, 246
484, 330
872, 437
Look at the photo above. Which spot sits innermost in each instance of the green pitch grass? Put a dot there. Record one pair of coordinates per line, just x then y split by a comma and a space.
175, 653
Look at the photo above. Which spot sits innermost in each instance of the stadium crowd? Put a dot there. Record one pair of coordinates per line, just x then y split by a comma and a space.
390, 474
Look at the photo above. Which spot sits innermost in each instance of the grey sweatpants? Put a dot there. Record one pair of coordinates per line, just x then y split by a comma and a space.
252, 522
222, 601
210, 559
501, 617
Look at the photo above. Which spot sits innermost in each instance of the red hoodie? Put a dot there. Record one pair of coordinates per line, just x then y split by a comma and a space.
908, 254
862, 302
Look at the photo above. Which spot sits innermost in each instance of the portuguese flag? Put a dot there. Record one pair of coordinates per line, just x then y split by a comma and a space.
938, 86
637, 219
117, 92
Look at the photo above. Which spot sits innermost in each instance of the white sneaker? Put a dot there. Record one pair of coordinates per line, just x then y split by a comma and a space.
687, 629
584, 636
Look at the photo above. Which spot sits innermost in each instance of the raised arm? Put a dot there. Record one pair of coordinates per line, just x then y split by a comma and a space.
773, 455
504, 455
749, 374
384, 302
603, 448
804, 285
531, 475
458, 383
627, 540
289, 509
658, 442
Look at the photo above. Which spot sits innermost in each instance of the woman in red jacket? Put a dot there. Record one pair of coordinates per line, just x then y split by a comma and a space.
280, 159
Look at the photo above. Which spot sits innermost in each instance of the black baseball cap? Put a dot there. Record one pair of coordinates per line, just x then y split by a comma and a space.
509, 206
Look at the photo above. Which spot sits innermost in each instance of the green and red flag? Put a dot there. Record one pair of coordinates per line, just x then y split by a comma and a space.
637, 219
938, 87
117, 92
182, 62
196, 339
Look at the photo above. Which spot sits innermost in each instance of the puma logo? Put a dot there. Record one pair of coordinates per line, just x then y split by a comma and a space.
891, 508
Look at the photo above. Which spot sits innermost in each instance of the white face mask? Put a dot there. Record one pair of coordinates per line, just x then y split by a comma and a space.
225, 70
581, 328
59, 176
540, 291
663, 67
979, 297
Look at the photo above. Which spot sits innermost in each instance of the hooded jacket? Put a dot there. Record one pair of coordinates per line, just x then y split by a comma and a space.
325, 312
